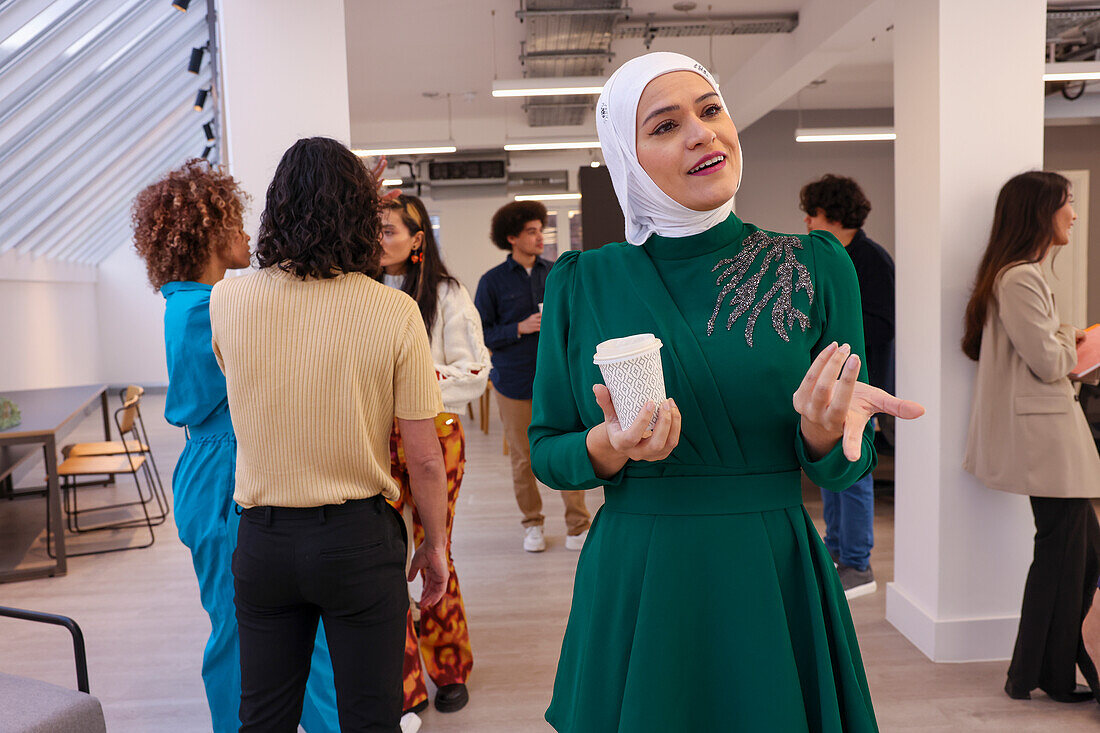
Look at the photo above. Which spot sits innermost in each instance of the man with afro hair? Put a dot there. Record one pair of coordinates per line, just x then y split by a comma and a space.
509, 299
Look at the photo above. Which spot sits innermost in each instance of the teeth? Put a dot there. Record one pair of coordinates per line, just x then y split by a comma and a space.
709, 163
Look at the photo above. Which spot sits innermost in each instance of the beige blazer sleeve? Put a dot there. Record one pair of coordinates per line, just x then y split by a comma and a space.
1026, 309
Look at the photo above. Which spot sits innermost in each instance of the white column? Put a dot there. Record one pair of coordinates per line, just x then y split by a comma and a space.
968, 106
284, 77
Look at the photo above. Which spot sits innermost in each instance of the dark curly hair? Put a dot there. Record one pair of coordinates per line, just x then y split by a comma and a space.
322, 216
841, 199
182, 219
511, 218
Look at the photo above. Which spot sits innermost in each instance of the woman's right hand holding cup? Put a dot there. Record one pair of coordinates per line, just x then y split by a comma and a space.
610, 446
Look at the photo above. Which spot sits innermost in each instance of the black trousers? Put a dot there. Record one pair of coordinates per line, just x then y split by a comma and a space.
1059, 590
345, 565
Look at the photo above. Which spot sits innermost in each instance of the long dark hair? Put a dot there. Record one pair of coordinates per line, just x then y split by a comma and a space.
322, 216
422, 278
1023, 232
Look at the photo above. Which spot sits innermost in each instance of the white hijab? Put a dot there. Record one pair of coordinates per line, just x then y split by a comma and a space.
646, 208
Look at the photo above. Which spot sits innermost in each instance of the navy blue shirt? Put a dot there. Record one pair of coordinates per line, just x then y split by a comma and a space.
505, 296
875, 271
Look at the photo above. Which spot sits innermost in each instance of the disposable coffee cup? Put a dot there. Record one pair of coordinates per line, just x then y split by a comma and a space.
631, 369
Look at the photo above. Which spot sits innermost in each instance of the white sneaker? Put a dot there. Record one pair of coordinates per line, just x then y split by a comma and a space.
576, 541
533, 541
410, 723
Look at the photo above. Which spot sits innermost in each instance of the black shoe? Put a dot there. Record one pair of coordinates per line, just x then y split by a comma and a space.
417, 708
451, 698
1014, 693
1081, 694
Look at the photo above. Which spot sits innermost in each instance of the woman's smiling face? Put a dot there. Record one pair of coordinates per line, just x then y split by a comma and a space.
687, 142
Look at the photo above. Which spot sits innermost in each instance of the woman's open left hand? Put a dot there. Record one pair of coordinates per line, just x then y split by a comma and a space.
835, 409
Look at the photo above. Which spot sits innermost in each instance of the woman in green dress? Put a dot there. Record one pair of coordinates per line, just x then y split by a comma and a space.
704, 598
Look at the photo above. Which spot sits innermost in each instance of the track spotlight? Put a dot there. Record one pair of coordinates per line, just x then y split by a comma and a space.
200, 99
181, 5
208, 130
196, 59
206, 152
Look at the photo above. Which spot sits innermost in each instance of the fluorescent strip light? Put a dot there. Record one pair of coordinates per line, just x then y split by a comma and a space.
392, 181
1072, 71
549, 197
548, 86
554, 145
843, 134
365, 153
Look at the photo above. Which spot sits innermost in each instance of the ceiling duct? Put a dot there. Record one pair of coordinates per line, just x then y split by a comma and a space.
567, 38
1072, 35
679, 27
573, 38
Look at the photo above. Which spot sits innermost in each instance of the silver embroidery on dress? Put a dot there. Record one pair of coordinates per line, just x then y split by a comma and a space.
790, 277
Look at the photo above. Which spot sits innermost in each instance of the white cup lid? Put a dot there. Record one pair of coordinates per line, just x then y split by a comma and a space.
626, 348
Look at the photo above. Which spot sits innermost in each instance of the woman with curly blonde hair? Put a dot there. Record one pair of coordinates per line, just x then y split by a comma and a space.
189, 229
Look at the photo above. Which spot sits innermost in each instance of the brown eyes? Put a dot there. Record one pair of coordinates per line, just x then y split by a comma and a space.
711, 110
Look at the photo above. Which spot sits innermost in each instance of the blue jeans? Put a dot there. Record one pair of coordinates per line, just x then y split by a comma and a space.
850, 522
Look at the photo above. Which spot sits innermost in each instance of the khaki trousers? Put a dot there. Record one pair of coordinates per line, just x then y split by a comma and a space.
516, 417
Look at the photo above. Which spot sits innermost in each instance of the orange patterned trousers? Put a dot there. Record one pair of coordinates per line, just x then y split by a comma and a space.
444, 636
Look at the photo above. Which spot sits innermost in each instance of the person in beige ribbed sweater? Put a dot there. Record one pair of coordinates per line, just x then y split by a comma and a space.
319, 360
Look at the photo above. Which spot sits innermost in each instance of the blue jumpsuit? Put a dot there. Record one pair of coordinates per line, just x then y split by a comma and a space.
202, 487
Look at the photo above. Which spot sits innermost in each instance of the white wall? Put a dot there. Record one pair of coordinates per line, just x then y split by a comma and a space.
284, 75
131, 322
776, 168
48, 323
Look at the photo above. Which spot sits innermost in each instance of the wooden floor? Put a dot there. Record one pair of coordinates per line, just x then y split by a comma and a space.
145, 629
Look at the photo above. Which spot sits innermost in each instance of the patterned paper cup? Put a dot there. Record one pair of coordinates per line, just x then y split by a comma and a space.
631, 369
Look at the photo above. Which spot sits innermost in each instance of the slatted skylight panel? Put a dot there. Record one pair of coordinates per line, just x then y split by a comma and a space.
95, 103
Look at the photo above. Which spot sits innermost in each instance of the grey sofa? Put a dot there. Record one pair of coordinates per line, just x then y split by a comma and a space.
30, 706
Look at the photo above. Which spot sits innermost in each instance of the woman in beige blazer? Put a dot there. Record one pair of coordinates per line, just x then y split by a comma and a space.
1028, 436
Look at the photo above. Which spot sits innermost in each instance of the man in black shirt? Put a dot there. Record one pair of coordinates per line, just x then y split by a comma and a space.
509, 299
838, 205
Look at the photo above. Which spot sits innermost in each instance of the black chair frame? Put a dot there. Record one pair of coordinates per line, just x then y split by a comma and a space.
74, 629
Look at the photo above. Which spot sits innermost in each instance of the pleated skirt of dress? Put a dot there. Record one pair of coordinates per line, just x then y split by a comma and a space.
725, 622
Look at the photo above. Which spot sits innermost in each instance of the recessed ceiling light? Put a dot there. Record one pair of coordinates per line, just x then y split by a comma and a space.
684, 7
549, 197
552, 145
548, 86
843, 134
411, 150
1072, 71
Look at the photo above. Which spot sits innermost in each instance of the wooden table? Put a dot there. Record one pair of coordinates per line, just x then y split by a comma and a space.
48, 416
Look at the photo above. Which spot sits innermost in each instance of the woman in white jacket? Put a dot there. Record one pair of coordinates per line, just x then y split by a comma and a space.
411, 263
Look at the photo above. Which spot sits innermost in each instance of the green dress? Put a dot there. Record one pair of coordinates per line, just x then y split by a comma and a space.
704, 598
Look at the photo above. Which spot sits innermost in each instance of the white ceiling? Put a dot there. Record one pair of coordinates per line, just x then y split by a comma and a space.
398, 51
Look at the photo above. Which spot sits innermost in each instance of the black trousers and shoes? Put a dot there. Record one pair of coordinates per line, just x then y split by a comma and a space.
1059, 590
345, 566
